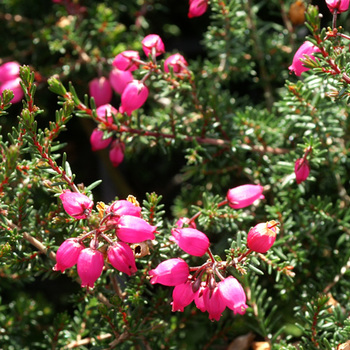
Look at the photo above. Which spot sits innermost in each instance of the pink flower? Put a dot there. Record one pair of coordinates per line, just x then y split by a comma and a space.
153, 42
171, 272
301, 170
185, 221
233, 294
198, 299
243, 196
116, 153
262, 236
124, 60
339, 5
76, 204
100, 89
124, 207
15, 86
89, 266
121, 256
97, 141
131, 229
214, 303
9, 71
134, 96
177, 62
105, 112
67, 254
119, 79
183, 295
197, 8
190, 240
306, 48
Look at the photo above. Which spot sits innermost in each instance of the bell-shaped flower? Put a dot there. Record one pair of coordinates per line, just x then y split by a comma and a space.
97, 141
9, 71
76, 204
214, 303
121, 256
307, 48
89, 266
119, 79
124, 61
301, 170
262, 236
133, 97
131, 229
100, 89
171, 272
198, 298
15, 86
153, 42
105, 112
183, 295
233, 294
243, 196
190, 240
116, 152
67, 254
339, 5
197, 8
124, 207
177, 62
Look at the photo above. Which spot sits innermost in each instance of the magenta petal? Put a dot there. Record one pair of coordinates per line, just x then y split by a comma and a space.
131, 229
182, 296
214, 303
191, 240
121, 257
171, 272
76, 204
90, 265
243, 196
67, 254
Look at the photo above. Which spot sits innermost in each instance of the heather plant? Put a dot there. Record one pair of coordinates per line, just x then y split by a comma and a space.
174, 176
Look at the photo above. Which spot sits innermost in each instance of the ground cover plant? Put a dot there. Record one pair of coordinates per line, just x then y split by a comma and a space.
174, 175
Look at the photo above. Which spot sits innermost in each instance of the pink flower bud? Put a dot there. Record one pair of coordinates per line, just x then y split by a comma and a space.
306, 48
124, 60
185, 221
119, 79
243, 196
233, 294
9, 71
190, 240
183, 295
171, 272
89, 266
67, 254
262, 236
134, 96
197, 8
97, 141
177, 62
105, 112
15, 86
153, 41
124, 207
301, 170
76, 204
100, 89
131, 229
121, 256
339, 5
214, 303
116, 153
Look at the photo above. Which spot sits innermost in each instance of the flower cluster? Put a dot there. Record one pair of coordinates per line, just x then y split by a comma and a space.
207, 287
10, 80
134, 93
120, 226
